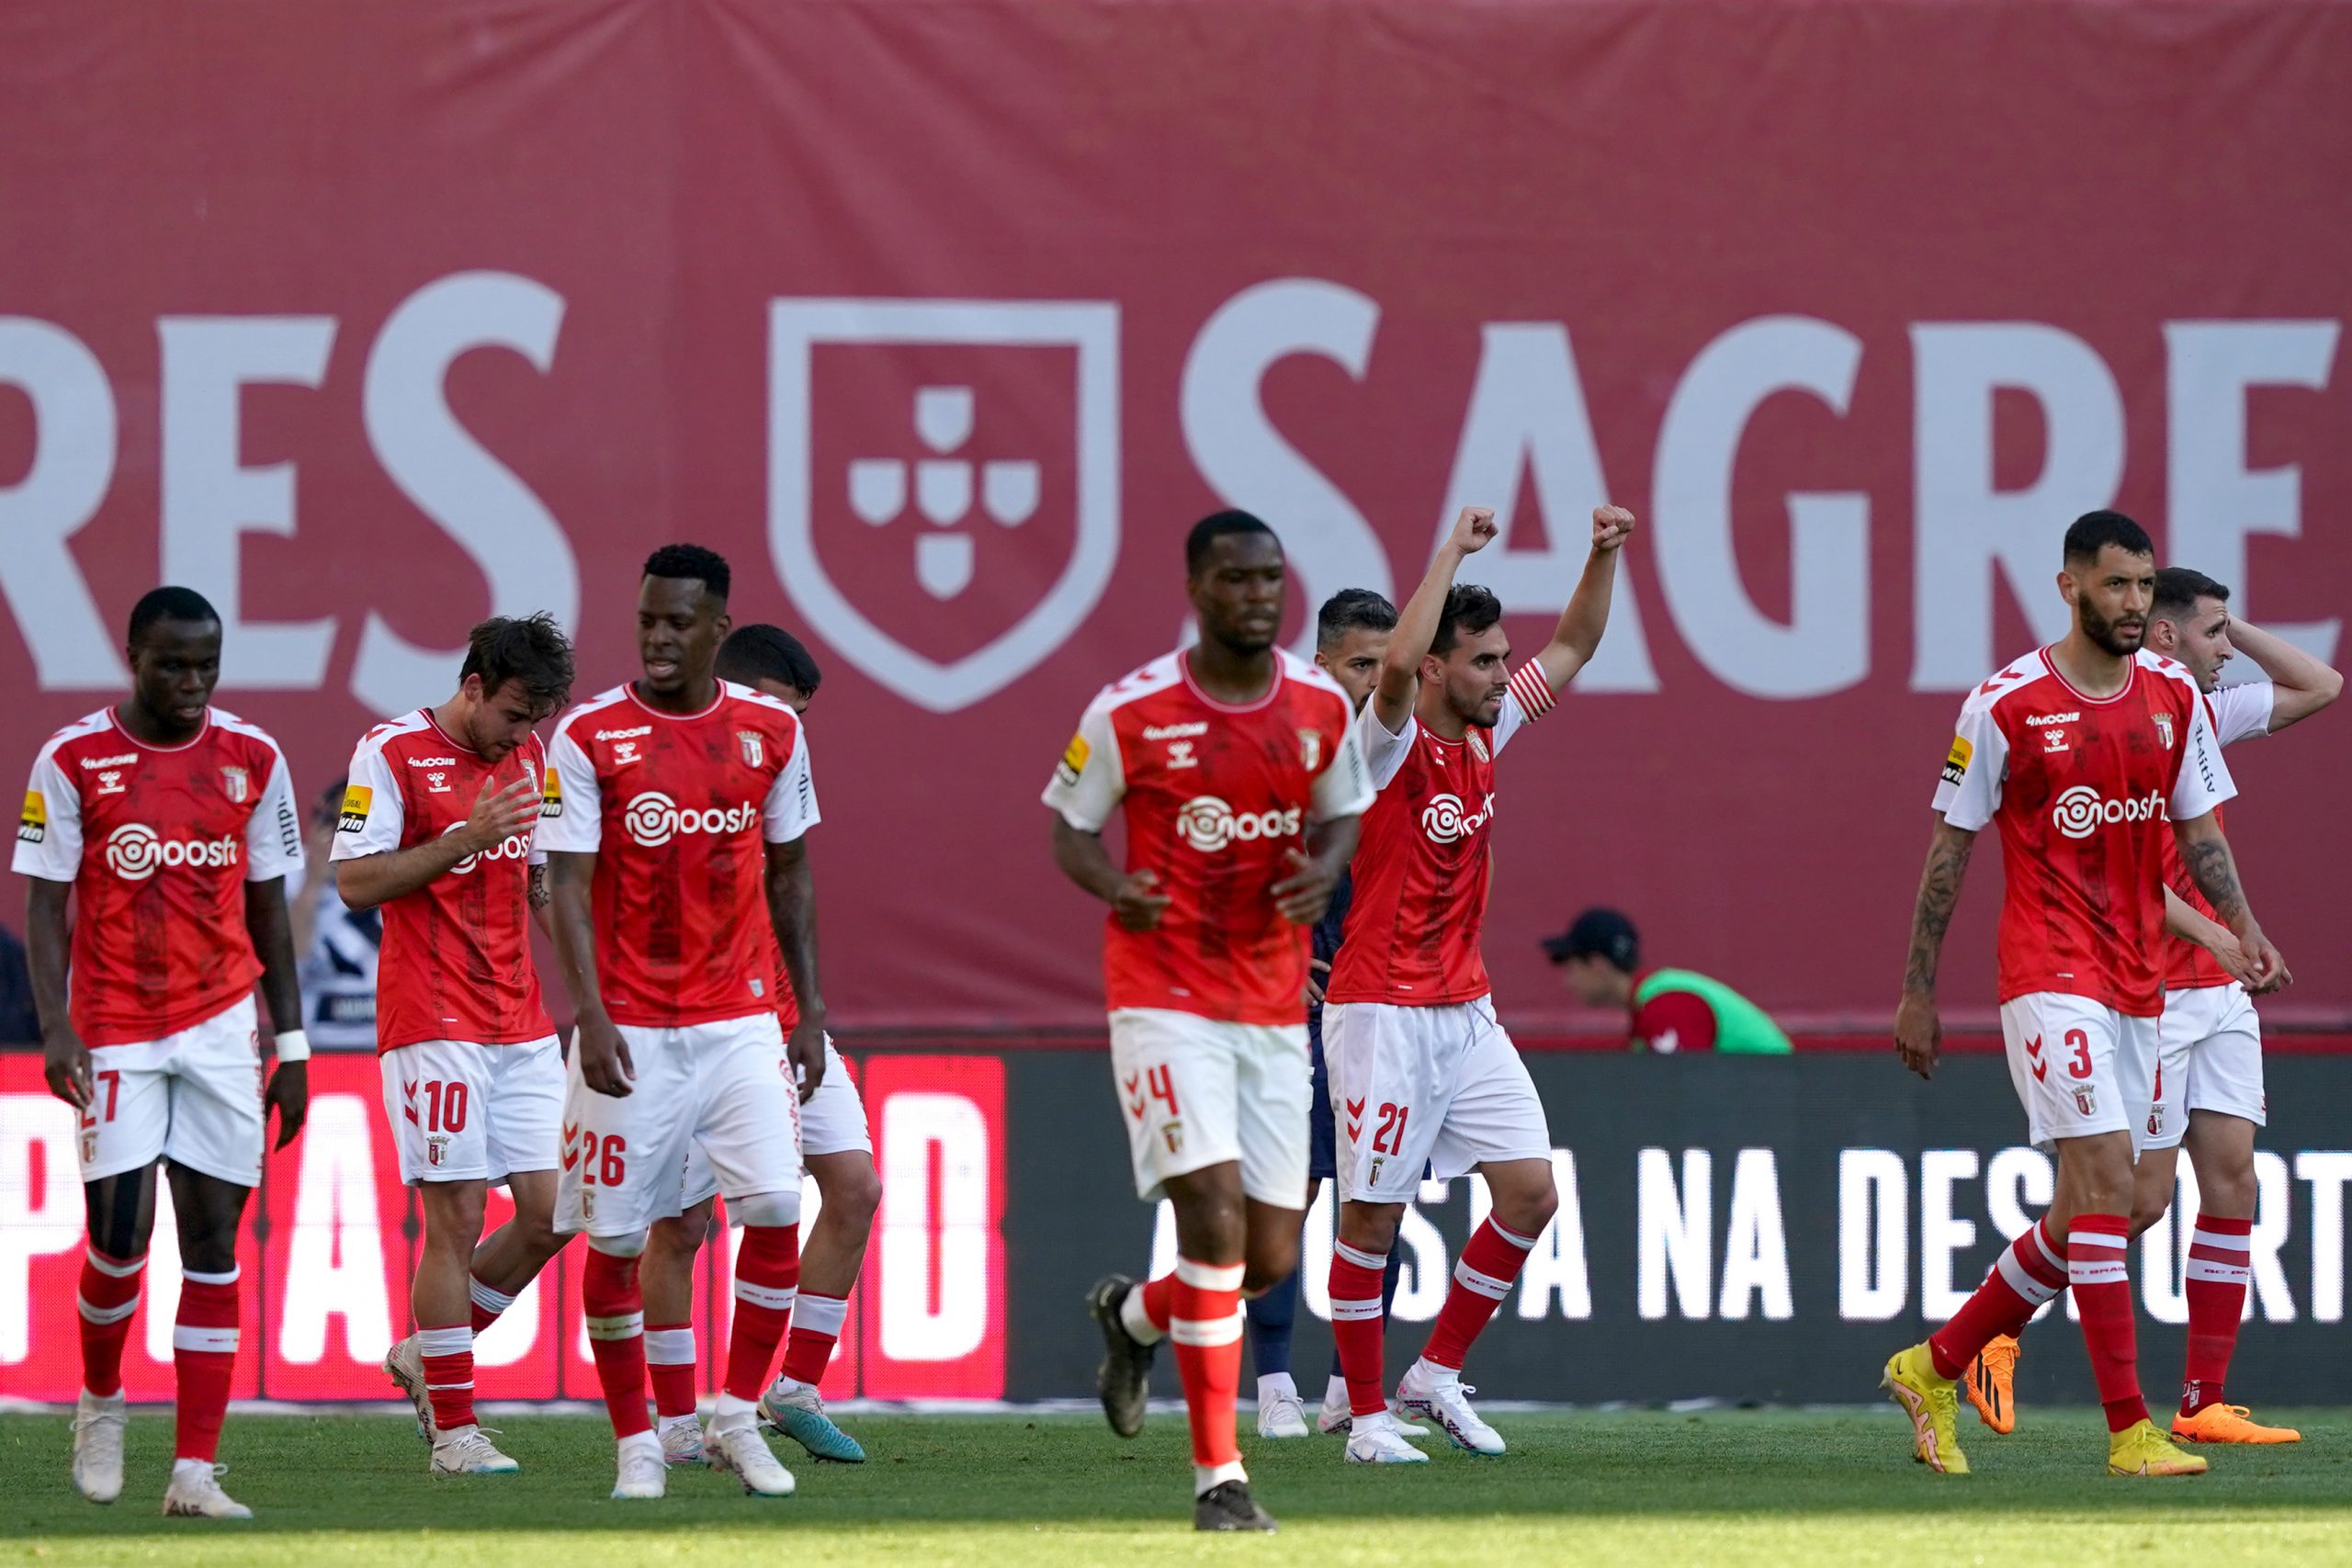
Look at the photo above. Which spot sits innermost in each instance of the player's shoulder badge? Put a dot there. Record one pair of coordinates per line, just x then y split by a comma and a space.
2164, 729
550, 795
32, 826
1073, 761
1957, 760
754, 749
234, 785
358, 800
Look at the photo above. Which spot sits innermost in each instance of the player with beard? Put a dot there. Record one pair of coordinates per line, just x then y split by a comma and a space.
2079, 751
1241, 781
1423, 1076
168, 827
2207, 1091
675, 815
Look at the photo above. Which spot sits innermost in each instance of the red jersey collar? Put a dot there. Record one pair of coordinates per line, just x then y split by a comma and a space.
2059, 675
1184, 668
115, 719
628, 688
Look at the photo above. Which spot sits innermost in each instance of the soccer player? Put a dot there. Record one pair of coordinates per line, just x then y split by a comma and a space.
673, 824
836, 1148
1421, 1073
437, 832
1241, 781
1350, 636
2080, 751
2208, 1090
170, 826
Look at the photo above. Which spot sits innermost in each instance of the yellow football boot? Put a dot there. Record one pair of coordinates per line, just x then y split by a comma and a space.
1910, 1380
2141, 1449
2229, 1424
1991, 1384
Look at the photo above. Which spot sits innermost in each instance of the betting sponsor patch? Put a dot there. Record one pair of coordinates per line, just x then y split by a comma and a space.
357, 799
33, 826
550, 798
1073, 761
1956, 764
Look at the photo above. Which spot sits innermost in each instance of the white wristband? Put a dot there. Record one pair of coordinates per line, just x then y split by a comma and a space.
293, 1046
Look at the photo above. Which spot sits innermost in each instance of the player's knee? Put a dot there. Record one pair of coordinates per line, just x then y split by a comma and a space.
1532, 1210
630, 1245
853, 1197
2147, 1208
768, 1209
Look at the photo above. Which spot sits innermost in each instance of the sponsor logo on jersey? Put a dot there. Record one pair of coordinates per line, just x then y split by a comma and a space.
1073, 761
2164, 729
232, 784
431, 761
436, 783
1175, 731
2036, 720
2052, 740
126, 760
515, 846
1208, 824
652, 818
32, 826
1443, 820
2081, 811
136, 851
754, 749
625, 752
630, 734
551, 796
110, 781
1956, 761
1180, 755
357, 801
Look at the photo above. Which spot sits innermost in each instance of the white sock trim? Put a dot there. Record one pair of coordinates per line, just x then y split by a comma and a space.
1480, 1284
1207, 1478
820, 1314
123, 1268
1376, 1261
1216, 1332
1138, 1322
1209, 1276
103, 1316
628, 1325
669, 1347
445, 1341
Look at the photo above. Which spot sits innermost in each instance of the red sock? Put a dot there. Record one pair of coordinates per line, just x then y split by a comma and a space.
1481, 1280
1357, 1326
448, 1357
109, 1297
1205, 1324
816, 1326
488, 1303
2031, 1270
669, 1357
204, 1358
2102, 1287
1160, 1301
2220, 1253
615, 1312
767, 1275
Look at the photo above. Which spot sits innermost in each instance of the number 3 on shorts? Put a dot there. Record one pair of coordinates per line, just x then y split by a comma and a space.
2080, 1067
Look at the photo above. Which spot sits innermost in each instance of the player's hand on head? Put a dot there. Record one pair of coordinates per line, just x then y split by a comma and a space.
1612, 527
501, 811
1473, 529
1306, 892
605, 1064
1918, 1034
65, 1063
1137, 904
289, 1096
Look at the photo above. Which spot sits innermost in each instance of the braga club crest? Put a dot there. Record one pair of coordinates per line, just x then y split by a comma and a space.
956, 464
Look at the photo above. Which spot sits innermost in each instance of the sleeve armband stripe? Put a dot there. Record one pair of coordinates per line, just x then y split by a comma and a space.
1533, 689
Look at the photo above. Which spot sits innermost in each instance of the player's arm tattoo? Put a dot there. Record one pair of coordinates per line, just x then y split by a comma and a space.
2216, 874
1940, 883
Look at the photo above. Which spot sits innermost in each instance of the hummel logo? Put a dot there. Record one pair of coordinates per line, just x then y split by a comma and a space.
1134, 1086
1355, 1120
2040, 1067
407, 1093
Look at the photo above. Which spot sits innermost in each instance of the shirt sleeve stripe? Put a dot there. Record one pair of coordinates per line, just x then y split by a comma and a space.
1533, 689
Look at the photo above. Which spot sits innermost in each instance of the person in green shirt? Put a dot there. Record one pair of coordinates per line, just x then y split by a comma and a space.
1599, 955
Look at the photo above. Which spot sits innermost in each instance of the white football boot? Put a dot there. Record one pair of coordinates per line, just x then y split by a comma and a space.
195, 1493
1438, 1392
732, 1443
1374, 1440
642, 1474
1280, 1415
1333, 1419
404, 1364
467, 1450
98, 1426
681, 1440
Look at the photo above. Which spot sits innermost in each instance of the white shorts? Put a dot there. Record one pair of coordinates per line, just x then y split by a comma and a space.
2080, 1067
724, 1089
2210, 1060
1441, 1087
1199, 1091
193, 1097
832, 1122
465, 1112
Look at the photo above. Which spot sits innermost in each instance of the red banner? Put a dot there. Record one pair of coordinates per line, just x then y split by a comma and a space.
328, 1254
944, 322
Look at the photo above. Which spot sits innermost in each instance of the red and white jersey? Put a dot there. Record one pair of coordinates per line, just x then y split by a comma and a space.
2236, 712
1217, 797
2086, 790
678, 810
456, 962
1420, 873
159, 843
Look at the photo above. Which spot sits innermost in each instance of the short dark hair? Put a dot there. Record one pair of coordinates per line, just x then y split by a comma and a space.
1598, 933
693, 563
762, 652
1217, 525
528, 649
2179, 588
170, 604
2094, 531
1468, 608
1352, 609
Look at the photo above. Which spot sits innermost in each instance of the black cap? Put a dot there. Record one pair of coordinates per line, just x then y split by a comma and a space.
1602, 933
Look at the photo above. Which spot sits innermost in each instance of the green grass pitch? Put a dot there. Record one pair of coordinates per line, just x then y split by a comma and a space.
1815, 1488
